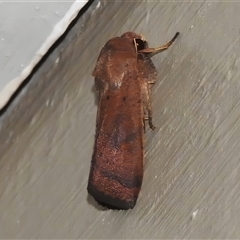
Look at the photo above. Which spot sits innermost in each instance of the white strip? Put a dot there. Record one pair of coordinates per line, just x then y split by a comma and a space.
58, 30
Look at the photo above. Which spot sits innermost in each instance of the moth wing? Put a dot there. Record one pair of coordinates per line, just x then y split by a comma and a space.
117, 162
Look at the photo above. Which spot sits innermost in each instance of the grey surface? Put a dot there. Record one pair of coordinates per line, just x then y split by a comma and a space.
191, 186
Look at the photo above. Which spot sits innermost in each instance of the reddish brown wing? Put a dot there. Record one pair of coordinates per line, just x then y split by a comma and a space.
117, 162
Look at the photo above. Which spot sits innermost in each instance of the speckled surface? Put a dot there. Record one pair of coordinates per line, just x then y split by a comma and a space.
191, 186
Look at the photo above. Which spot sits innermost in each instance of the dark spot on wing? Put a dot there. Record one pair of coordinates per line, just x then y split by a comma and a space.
131, 137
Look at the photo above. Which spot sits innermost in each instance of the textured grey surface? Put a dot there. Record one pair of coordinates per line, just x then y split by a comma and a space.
191, 186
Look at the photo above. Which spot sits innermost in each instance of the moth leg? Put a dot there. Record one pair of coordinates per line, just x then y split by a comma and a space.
135, 45
151, 82
160, 49
147, 108
144, 125
150, 116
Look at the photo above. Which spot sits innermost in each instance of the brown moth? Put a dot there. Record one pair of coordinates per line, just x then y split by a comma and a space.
124, 75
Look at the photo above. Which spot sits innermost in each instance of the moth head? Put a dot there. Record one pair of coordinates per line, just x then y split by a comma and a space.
139, 41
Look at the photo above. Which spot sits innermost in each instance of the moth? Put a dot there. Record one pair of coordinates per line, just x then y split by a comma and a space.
124, 75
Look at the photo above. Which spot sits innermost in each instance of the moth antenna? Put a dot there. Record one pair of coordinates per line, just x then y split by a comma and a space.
160, 49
